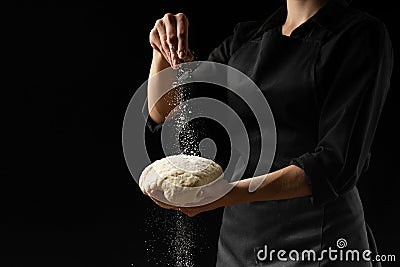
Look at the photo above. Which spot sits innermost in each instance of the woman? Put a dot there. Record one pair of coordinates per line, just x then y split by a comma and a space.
324, 68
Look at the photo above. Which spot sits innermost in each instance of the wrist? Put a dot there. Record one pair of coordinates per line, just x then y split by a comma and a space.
157, 55
237, 195
158, 62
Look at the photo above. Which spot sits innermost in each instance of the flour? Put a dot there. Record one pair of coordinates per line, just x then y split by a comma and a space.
180, 177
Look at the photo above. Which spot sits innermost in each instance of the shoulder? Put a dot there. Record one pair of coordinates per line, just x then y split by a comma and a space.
358, 41
357, 24
356, 32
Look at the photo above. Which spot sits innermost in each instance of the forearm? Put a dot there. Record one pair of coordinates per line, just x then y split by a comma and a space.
169, 40
289, 182
161, 98
158, 63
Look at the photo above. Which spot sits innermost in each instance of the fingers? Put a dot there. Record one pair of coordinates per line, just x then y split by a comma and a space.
213, 191
155, 42
162, 36
159, 195
191, 212
182, 31
159, 198
162, 204
172, 40
170, 37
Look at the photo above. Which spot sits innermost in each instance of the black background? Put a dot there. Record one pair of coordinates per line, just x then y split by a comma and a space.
69, 199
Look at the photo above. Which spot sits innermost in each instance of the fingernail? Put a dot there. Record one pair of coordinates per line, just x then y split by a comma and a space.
151, 191
181, 54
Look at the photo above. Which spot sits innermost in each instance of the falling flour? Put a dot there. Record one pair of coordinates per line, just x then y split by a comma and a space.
183, 242
179, 232
173, 238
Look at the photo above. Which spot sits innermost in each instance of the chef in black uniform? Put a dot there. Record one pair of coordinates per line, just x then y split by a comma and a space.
325, 70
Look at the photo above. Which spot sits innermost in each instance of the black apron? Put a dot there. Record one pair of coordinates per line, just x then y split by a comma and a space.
292, 224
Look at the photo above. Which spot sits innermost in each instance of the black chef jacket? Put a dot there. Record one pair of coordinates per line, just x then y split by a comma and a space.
326, 106
326, 85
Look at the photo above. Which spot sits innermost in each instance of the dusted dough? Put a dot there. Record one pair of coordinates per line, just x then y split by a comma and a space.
180, 177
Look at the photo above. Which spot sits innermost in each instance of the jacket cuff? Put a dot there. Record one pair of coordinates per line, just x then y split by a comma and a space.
322, 189
152, 125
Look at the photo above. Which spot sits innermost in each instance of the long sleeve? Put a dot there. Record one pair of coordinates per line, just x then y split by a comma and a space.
354, 78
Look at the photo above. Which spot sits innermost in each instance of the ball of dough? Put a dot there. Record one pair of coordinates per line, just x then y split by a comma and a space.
180, 177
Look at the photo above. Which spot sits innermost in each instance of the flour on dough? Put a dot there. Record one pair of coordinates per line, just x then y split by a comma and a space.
180, 177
